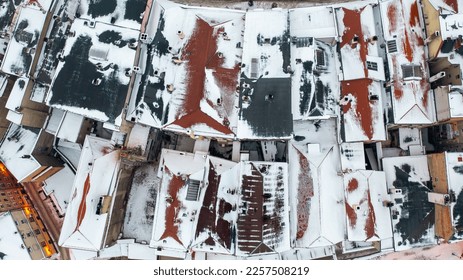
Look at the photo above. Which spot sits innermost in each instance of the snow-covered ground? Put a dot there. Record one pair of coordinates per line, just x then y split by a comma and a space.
453, 251
139, 216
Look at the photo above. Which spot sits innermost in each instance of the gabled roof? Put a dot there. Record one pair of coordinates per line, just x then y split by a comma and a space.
359, 43
176, 215
368, 217
190, 71
447, 6
320, 218
405, 44
218, 214
214, 205
362, 111
262, 225
96, 176
361, 93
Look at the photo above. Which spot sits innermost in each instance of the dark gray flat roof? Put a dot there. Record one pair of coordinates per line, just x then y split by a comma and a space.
269, 111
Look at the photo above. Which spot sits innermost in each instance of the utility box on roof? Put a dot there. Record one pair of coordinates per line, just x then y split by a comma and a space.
438, 198
103, 204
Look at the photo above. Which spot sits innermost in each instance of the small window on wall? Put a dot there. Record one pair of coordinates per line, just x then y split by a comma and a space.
412, 71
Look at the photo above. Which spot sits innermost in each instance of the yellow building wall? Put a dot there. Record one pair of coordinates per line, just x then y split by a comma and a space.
431, 19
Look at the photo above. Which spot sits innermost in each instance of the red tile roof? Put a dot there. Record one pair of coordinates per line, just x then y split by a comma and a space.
200, 54
171, 215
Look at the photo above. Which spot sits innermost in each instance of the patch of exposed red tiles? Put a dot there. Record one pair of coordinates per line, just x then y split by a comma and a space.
453, 4
211, 218
352, 185
250, 224
305, 192
83, 203
371, 219
173, 206
351, 215
358, 88
409, 41
200, 53
364, 106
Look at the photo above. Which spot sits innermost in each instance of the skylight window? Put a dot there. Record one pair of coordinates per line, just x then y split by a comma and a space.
411, 71
372, 65
320, 56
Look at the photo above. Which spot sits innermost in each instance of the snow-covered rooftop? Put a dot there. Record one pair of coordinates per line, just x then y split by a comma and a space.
84, 225
263, 216
318, 212
455, 104
92, 78
412, 98
125, 13
363, 69
176, 211
315, 84
70, 126
265, 95
454, 163
352, 156
368, 217
189, 70
16, 149
451, 26
17, 94
316, 22
59, 185
362, 111
139, 216
71, 151
11, 244
201, 202
447, 6
409, 182
7, 11
21, 48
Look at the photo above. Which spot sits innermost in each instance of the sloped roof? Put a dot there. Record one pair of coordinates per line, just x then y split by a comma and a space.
215, 205
190, 71
362, 111
412, 98
263, 218
368, 218
96, 176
